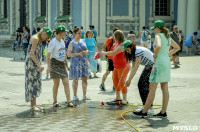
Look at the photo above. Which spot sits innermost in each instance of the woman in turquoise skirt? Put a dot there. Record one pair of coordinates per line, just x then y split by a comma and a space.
161, 68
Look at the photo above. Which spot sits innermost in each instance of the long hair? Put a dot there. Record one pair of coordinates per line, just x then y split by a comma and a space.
86, 34
165, 31
119, 36
39, 36
131, 56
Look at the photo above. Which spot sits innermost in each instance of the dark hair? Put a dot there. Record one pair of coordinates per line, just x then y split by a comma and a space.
195, 33
143, 27
81, 27
165, 31
131, 32
75, 26
71, 31
76, 30
115, 29
38, 29
131, 56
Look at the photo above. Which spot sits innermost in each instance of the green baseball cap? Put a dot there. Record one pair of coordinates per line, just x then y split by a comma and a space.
61, 28
158, 23
49, 32
126, 44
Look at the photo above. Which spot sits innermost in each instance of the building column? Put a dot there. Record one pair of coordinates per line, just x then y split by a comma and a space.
17, 14
84, 14
30, 16
102, 26
192, 16
182, 15
87, 13
49, 13
142, 14
95, 14
130, 8
11, 16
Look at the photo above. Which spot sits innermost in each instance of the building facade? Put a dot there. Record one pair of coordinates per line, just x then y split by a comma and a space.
105, 15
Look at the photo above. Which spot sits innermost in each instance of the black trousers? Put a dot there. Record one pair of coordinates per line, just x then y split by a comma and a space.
143, 83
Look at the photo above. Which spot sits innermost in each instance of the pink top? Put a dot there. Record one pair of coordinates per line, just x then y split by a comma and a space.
119, 60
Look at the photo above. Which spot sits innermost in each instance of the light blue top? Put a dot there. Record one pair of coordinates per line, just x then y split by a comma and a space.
90, 43
95, 33
83, 33
190, 38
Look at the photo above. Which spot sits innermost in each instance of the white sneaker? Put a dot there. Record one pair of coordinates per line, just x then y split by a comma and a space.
124, 102
86, 98
76, 98
140, 109
150, 111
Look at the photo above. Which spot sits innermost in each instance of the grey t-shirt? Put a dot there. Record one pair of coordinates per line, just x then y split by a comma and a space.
25, 40
175, 37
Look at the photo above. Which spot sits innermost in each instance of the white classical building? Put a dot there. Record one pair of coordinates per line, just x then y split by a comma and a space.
105, 15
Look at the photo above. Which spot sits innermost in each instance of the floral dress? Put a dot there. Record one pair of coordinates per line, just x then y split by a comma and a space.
32, 74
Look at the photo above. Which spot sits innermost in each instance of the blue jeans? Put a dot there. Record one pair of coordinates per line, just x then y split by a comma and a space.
25, 48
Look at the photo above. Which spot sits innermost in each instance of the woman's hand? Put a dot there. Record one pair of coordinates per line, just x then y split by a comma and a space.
103, 53
68, 68
127, 84
41, 68
85, 52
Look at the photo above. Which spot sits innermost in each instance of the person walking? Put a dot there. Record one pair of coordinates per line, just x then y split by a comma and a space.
144, 36
161, 69
25, 37
108, 46
57, 64
190, 40
33, 67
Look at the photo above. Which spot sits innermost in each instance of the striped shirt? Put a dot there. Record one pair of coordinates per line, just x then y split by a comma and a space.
146, 56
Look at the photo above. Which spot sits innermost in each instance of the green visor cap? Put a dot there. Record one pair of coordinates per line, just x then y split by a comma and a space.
49, 32
158, 23
126, 44
61, 28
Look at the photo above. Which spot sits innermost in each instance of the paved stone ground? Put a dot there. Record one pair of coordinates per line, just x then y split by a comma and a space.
183, 107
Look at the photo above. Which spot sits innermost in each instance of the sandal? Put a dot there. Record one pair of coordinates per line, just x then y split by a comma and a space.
56, 104
70, 104
41, 108
35, 108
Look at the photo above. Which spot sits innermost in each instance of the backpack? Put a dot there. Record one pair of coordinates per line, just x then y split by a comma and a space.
110, 46
144, 36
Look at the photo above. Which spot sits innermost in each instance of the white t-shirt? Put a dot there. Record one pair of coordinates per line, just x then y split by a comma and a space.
57, 49
147, 56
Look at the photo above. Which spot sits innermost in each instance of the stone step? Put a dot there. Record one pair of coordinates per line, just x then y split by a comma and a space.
6, 43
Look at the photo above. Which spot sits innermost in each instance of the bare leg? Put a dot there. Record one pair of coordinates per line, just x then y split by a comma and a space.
55, 89
164, 87
187, 51
151, 96
84, 85
33, 102
66, 88
118, 95
105, 76
124, 96
75, 86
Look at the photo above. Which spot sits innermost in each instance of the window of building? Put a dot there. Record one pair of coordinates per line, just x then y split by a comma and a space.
66, 7
43, 7
5, 9
162, 7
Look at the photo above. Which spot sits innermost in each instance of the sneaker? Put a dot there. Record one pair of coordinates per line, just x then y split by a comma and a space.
161, 115
124, 102
140, 114
102, 87
176, 66
86, 98
76, 98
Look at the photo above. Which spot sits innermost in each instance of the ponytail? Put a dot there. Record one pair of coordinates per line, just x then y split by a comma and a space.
165, 31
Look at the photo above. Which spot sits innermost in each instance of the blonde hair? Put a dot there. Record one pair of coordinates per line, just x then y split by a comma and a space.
39, 36
86, 34
165, 31
119, 36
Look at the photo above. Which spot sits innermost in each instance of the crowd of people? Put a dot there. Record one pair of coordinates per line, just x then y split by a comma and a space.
123, 55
